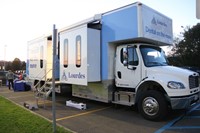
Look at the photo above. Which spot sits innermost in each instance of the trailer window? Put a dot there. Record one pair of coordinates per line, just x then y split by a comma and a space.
41, 56
78, 51
65, 53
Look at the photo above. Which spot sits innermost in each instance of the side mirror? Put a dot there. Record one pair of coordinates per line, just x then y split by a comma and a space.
125, 56
125, 62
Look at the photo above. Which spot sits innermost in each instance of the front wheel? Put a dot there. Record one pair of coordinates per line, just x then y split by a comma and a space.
152, 105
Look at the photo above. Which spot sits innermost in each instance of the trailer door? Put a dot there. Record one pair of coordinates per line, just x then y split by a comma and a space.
79, 64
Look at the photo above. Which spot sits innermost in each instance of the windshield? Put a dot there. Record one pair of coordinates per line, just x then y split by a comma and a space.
153, 56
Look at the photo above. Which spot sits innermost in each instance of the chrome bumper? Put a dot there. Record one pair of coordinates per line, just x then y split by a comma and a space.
184, 102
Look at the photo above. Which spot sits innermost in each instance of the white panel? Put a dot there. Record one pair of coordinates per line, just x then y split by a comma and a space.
198, 9
93, 55
34, 49
49, 59
89, 71
156, 26
73, 74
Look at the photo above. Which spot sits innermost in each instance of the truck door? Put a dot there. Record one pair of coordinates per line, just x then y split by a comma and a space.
128, 70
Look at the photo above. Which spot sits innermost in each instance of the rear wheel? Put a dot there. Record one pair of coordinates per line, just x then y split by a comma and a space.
152, 105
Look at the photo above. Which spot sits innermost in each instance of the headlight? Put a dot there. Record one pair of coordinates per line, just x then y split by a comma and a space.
175, 85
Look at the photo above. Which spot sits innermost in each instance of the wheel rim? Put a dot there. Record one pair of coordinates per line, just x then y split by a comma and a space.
150, 106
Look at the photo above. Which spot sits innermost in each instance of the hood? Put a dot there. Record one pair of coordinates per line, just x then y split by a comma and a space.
170, 71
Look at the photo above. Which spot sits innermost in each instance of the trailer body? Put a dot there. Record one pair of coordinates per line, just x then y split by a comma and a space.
115, 57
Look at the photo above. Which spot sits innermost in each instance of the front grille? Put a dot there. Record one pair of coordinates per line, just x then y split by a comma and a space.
193, 81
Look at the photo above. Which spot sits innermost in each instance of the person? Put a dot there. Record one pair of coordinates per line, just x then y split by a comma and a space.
10, 77
20, 76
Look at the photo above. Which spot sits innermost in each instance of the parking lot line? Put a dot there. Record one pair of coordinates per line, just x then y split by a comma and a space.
192, 117
5, 92
11, 91
170, 124
194, 108
13, 97
80, 114
185, 127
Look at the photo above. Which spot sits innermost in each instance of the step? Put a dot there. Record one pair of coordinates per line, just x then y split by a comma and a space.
50, 82
124, 98
123, 103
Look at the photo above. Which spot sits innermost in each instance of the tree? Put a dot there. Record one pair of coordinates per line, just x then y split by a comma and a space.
23, 65
8, 65
16, 64
187, 50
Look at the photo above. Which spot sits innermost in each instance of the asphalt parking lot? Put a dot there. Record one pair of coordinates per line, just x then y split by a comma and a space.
103, 118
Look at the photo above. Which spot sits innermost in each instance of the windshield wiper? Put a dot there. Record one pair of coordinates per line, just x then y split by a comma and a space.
165, 63
156, 64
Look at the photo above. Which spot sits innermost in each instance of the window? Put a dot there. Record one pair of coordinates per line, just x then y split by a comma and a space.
132, 56
153, 56
78, 51
41, 56
58, 50
65, 53
129, 56
124, 56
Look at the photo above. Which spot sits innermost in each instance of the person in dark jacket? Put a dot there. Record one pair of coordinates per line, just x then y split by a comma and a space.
10, 78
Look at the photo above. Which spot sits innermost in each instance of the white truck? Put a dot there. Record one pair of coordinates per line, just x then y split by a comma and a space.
115, 57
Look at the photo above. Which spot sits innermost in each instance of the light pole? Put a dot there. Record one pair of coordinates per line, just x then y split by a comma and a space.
5, 57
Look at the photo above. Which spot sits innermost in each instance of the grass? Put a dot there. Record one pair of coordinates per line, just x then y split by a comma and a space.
14, 119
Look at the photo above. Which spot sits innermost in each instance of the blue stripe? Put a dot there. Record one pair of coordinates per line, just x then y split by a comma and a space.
116, 26
185, 127
194, 108
27, 67
191, 117
168, 126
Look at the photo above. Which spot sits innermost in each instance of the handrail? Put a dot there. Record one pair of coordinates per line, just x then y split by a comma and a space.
42, 78
39, 73
42, 87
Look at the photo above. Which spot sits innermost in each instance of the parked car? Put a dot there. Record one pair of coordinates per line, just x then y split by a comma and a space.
3, 76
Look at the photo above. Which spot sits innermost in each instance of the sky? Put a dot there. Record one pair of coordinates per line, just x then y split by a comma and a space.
25, 20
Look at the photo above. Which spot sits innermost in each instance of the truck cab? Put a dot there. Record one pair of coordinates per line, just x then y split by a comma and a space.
144, 70
135, 59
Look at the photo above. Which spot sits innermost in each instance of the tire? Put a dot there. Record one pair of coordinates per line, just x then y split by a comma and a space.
152, 105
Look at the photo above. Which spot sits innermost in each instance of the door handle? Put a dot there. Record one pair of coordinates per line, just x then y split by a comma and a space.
119, 74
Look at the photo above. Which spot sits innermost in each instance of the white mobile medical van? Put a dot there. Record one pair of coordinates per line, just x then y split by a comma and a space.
115, 57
